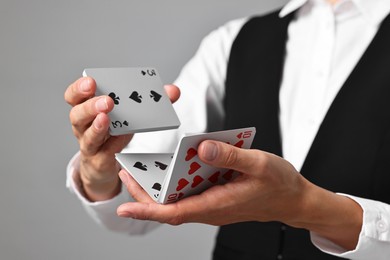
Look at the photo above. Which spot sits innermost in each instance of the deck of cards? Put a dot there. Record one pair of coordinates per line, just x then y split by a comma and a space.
141, 105
170, 177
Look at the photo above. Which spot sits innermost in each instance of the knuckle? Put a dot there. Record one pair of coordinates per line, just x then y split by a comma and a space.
74, 117
71, 94
230, 157
76, 132
67, 95
83, 149
67, 98
176, 220
262, 161
86, 147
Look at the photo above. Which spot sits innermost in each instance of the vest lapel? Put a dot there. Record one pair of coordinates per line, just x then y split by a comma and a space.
253, 80
355, 125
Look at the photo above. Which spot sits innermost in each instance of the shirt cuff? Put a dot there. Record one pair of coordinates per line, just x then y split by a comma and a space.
374, 238
73, 183
104, 212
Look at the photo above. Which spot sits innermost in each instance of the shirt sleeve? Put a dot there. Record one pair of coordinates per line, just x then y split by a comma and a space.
202, 83
374, 238
104, 212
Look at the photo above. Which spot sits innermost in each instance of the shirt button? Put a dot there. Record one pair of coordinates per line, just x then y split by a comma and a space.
279, 257
381, 226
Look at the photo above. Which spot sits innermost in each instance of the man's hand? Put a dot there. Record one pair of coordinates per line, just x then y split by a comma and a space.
90, 124
268, 189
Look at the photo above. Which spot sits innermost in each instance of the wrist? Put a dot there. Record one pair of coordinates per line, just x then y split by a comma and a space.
99, 187
101, 191
332, 216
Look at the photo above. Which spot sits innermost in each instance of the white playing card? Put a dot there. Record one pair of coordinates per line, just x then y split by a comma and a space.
149, 170
141, 104
183, 174
188, 175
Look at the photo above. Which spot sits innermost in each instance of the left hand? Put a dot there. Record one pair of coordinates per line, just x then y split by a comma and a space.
268, 189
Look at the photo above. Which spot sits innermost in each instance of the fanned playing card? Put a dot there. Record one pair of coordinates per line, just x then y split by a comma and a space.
185, 174
141, 104
149, 170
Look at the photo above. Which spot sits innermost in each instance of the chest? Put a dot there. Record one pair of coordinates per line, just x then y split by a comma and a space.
351, 151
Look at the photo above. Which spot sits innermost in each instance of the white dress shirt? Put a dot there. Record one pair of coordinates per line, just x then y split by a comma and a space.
324, 44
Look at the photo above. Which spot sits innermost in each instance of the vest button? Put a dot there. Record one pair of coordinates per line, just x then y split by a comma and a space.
283, 227
279, 257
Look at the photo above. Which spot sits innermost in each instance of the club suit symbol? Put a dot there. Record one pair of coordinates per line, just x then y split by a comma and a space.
136, 97
155, 96
114, 97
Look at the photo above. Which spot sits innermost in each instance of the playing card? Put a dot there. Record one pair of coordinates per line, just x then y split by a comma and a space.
188, 175
170, 177
149, 170
141, 104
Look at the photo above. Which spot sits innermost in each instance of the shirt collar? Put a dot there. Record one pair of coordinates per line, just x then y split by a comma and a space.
374, 11
291, 6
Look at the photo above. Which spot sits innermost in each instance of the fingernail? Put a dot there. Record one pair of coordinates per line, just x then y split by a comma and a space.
85, 85
124, 214
123, 177
101, 104
210, 151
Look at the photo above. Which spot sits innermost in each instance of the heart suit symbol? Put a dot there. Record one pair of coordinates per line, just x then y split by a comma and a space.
181, 184
214, 178
190, 154
239, 144
196, 181
193, 168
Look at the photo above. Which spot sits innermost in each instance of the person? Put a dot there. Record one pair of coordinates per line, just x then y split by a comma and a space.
313, 78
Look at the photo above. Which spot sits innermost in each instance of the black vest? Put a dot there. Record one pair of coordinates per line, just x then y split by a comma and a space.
350, 153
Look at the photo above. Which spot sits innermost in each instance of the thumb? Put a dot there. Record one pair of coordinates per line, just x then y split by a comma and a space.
173, 92
224, 155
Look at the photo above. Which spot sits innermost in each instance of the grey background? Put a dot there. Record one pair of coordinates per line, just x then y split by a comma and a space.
44, 46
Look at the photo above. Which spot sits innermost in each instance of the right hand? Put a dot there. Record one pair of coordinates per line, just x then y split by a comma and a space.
90, 124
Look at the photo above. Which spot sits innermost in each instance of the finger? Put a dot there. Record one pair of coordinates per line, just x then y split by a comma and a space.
95, 136
135, 190
173, 92
115, 144
145, 211
223, 155
80, 90
82, 115
192, 209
